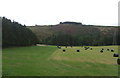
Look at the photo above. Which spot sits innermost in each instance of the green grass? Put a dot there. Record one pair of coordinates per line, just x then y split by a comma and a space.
50, 61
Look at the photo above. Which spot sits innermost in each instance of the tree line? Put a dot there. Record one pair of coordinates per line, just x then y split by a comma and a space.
86, 36
15, 34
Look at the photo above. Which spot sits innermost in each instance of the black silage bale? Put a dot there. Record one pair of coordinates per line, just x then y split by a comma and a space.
118, 61
78, 50
112, 50
115, 55
64, 50
108, 49
101, 51
90, 48
102, 48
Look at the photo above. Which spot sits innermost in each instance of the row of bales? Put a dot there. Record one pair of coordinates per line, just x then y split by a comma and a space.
102, 50
65, 50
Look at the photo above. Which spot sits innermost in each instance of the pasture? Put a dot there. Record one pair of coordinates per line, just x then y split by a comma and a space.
51, 61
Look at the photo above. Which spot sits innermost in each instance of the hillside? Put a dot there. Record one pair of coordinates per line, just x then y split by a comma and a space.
16, 34
81, 33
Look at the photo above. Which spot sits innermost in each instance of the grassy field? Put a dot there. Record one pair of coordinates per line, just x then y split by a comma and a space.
51, 61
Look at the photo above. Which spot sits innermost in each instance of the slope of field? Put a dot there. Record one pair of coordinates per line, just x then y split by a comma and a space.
51, 61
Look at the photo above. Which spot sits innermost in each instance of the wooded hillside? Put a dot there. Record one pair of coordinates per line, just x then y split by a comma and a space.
76, 34
15, 34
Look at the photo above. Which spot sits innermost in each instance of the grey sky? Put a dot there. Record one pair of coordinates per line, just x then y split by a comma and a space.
47, 12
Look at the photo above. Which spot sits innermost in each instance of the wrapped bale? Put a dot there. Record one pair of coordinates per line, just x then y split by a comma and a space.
78, 50
115, 55
118, 61
64, 50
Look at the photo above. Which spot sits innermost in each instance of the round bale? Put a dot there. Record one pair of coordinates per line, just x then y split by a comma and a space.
64, 50
112, 50
78, 50
115, 55
118, 61
101, 51
108, 49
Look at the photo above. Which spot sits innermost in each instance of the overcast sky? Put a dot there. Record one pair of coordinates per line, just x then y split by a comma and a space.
50, 12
